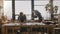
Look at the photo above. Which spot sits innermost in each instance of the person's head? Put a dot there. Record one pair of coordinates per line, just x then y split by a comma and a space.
21, 13
36, 11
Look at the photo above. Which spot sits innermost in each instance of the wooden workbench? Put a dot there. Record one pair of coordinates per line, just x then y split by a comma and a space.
12, 28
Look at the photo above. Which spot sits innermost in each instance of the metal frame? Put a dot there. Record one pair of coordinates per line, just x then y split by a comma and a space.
13, 9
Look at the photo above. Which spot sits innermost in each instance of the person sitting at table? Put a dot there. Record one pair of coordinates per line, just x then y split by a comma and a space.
22, 17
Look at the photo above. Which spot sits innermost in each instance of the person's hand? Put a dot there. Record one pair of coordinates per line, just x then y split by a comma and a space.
43, 21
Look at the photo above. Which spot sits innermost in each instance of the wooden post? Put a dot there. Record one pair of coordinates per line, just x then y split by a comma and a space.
59, 20
51, 9
1, 11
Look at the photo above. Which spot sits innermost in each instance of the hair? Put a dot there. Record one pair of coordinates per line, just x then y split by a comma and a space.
21, 13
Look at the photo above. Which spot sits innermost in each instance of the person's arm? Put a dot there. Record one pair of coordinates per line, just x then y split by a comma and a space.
18, 17
24, 18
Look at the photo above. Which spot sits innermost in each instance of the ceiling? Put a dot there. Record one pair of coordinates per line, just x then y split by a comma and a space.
30, 0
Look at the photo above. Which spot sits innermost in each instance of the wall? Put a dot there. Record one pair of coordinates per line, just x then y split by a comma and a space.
1, 8
8, 9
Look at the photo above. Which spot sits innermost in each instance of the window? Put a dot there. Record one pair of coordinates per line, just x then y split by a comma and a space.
23, 6
8, 9
40, 6
57, 3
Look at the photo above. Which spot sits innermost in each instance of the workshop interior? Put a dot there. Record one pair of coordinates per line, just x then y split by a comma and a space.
29, 16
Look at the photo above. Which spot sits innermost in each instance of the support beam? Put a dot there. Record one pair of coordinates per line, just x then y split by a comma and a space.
39, 5
32, 9
13, 9
30, 0
51, 9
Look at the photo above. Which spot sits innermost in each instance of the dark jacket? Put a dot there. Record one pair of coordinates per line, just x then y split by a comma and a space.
22, 18
38, 15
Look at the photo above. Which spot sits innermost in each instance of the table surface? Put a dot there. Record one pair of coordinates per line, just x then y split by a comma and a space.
17, 24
